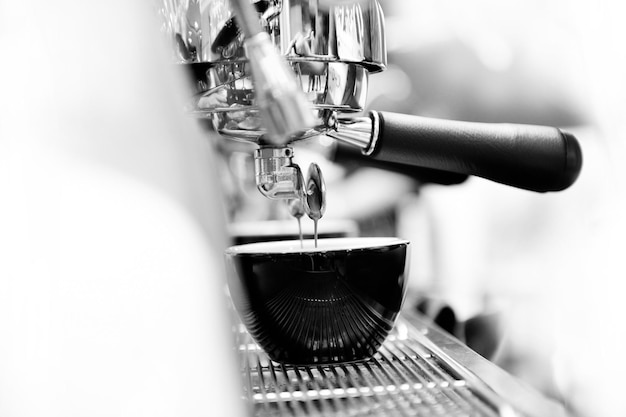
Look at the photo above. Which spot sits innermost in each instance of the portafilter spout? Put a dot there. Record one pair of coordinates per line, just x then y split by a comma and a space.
277, 177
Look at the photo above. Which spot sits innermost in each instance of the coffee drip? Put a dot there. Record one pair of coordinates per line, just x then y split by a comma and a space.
311, 200
296, 209
315, 196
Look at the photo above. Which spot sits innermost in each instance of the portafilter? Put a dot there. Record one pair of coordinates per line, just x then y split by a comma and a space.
272, 72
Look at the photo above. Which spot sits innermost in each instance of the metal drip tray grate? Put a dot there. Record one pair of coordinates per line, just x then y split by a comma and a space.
409, 376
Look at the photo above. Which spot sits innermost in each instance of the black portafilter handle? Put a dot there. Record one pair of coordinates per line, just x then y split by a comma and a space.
535, 158
353, 158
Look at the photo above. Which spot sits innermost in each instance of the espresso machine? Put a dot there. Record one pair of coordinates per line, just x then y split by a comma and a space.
272, 73
275, 72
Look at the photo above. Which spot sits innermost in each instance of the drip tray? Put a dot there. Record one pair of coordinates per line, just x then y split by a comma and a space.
410, 376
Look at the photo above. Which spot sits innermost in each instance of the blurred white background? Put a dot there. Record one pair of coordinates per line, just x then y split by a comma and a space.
112, 294
552, 264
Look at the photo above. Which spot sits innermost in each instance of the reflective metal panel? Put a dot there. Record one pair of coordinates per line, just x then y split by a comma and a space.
205, 31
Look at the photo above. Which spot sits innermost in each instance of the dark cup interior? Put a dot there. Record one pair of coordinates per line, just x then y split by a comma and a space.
319, 306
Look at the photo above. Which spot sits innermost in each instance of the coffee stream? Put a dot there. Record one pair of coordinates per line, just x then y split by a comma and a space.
296, 209
313, 202
300, 231
315, 197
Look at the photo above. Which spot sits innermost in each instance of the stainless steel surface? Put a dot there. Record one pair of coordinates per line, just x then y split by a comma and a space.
302, 30
326, 51
276, 74
277, 177
225, 94
330, 50
281, 103
315, 198
412, 375
361, 132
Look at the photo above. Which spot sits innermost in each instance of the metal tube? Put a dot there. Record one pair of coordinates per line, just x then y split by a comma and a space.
360, 132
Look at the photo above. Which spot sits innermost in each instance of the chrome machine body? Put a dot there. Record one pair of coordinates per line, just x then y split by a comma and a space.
329, 49
272, 72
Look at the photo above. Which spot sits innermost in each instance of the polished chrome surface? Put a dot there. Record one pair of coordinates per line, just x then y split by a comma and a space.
330, 49
227, 95
281, 103
360, 132
404, 378
315, 196
277, 177
248, 90
419, 371
201, 31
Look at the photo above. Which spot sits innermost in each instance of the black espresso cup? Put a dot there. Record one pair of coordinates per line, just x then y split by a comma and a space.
307, 305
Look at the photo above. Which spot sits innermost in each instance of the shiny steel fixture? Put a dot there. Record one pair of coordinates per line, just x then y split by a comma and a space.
281, 103
277, 177
329, 51
410, 375
315, 196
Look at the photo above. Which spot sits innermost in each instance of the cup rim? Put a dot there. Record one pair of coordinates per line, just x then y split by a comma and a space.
325, 245
269, 228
